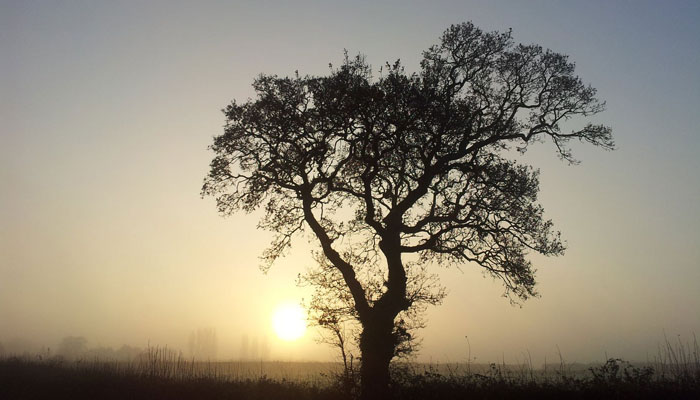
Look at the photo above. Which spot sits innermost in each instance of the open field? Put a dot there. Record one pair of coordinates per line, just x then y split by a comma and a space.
161, 374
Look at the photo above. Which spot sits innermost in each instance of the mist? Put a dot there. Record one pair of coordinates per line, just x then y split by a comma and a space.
107, 248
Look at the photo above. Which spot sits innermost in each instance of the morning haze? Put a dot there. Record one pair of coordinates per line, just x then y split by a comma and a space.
107, 111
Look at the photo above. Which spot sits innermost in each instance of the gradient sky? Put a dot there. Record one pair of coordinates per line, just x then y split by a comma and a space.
107, 109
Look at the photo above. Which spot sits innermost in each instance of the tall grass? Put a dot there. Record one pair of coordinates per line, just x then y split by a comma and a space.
678, 360
673, 374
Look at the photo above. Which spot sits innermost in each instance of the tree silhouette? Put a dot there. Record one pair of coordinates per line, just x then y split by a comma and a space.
394, 174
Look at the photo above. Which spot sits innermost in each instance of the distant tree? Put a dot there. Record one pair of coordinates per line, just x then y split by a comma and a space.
244, 347
203, 344
101, 353
394, 174
72, 347
254, 348
19, 347
264, 348
127, 353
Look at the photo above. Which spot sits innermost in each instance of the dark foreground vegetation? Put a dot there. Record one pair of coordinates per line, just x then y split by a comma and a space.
616, 379
162, 375
23, 379
35, 379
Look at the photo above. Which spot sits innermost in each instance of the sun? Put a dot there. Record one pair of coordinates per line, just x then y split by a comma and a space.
289, 321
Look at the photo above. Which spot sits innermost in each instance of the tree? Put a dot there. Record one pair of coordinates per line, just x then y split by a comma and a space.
394, 174
72, 347
203, 344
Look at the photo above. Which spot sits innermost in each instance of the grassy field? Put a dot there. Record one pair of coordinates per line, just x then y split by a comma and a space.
162, 374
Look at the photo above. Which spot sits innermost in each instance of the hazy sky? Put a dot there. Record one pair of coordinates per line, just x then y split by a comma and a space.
107, 109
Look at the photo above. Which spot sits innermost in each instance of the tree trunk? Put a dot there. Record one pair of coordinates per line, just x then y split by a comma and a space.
377, 348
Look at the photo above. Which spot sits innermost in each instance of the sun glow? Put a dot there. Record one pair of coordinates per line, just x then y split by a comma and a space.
289, 321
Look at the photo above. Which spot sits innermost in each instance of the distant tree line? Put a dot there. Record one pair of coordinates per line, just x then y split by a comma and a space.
254, 349
203, 344
76, 348
70, 348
